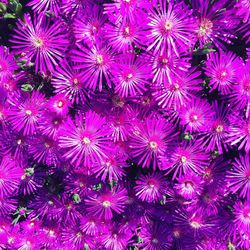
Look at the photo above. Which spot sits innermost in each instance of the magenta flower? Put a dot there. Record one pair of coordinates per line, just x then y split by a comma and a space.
116, 238
70, 83
155, 236
167, 65
58, 104
171, 26
241, 94
238, 176
10, 176
223, 69
189, 186
95, 64
151, 187
112, 166
239, 133
217, 134
243, 10
25, 111
106, 203
241, 216
180, 92
43, 44
45, 150
215, 22
188, 158
196, 116
86, 140
150, 140
7, 63
89, 28
90, 225
53, 6
126, 34
132, 75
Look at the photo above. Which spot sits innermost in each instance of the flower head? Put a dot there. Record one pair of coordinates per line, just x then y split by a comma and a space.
86, 140
151, 187
106, 203
43, 44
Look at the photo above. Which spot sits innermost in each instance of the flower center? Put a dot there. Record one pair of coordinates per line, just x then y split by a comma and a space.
183, 159
246, 85
75, 82
38, 43
86, 140
193, 118
168, 25
219, 128
99, 59
205, 28
195, 224
19, 141
153, 145
60, 104
106, 204
151, 183
177, 233
164, 60
28, 112
155, 241
126, 31
189, 184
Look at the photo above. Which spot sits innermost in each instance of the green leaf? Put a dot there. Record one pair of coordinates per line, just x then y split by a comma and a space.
19, 8
9, 16
230, 246
26, 87
76, 198
3, 8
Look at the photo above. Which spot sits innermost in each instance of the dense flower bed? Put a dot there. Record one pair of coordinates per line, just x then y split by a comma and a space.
125, 124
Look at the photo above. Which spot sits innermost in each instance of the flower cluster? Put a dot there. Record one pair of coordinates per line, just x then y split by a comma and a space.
125, 124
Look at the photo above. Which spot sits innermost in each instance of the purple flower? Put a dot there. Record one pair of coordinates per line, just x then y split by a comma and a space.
95, 64
171, 26
243, 9
238, 176
132, 75
25, 111
151, 187
7, 63
43, 44
189, 186
10, 176
215, 22
217, 134
45, 150
180, 92
239, 133
70, 82
51, 6
126, 34
242, 216
86, 140
155, 236
106, 203
187, 158
223, 69
166, 65
112, 166
241, 94
150, 140
89, 28
116, 238
196, 115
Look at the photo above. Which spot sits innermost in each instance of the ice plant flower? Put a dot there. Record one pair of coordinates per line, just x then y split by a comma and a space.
42, 43
223, 69
106, 203
95, 64
238, 177
51, 6
171, 26
25, 111
86, 140
151, 188
150, 140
